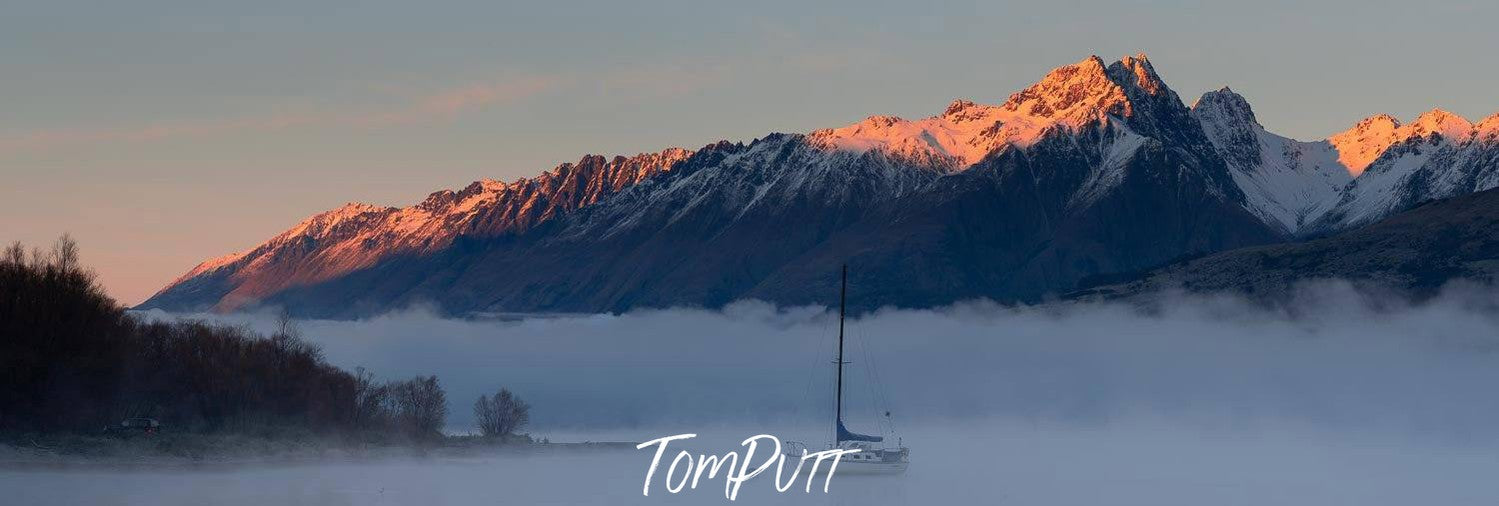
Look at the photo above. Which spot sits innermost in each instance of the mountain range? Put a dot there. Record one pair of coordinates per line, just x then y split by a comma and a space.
1096, 169
1413, 254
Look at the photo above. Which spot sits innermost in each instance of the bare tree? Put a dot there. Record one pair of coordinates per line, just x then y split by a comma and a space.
286, 325
418, 406
486, 416
287, 339
65, 253
369, 400
502, 414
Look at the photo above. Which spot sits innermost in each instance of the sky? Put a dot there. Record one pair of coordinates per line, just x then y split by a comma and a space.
161, 133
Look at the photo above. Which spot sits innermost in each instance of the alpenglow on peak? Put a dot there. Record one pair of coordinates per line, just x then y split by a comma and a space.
1072, 97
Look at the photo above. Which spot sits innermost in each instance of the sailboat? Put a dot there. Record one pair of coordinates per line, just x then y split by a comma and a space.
874, 456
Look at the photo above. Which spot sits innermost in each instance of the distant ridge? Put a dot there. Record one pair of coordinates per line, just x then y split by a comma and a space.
1097, 168
1414, 253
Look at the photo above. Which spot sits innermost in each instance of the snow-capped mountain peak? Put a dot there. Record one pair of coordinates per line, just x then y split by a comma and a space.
1438, 121
324, 222
1378, 167
1437, 155
357, 235
1286, 182
1224, 103
1071, 97
1362, 145
1144, 75
948, 141
1359, 146
1230, 124
960, 110
1039, 187
1487, 128
1378, 151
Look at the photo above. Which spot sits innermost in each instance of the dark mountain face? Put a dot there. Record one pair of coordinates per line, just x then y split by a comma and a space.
1014, 228
1095, 169
1414, 252
704, 234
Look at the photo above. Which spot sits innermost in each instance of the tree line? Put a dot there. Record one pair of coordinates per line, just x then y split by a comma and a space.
73, 360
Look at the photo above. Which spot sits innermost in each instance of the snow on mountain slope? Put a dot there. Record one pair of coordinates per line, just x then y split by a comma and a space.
736, 181
358, 235
1358, 146
884, 158
1090, 118
1374, 169
1425, 159
1286, 182
326, 226
1093, 169
1108, 111
1117, 107
1069, 98
1483, 155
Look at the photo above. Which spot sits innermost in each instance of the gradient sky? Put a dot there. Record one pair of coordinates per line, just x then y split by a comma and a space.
162, 133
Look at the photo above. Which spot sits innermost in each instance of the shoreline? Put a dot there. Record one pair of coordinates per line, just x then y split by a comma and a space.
199, 451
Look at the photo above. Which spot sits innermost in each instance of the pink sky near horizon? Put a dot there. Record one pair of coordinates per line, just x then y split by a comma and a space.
161, 136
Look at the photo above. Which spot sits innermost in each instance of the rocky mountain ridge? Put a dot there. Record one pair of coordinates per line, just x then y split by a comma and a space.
1094, 169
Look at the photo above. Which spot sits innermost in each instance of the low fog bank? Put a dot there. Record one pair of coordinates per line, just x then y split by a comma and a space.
1328, 358
979, 461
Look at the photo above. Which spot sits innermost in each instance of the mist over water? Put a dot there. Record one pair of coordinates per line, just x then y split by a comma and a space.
1333, 396
984, 462
1329, 356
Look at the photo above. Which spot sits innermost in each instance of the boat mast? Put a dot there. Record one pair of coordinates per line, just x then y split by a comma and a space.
842, 307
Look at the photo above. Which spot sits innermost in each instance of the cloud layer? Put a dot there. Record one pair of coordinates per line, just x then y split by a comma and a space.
1330, 356
1333, 397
